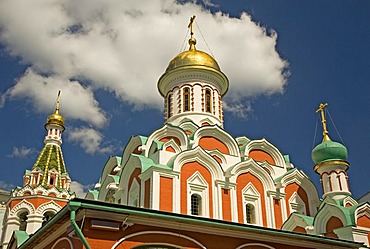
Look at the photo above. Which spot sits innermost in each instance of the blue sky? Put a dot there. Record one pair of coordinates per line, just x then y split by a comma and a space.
283, 59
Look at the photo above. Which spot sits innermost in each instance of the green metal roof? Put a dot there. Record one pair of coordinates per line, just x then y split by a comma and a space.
77, 203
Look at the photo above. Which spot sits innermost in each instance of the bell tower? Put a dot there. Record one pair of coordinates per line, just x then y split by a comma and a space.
46, 187
330, 159
193, 86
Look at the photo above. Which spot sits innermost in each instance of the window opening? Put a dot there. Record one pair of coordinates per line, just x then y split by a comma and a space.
208, 101
23, 221
169, 105
196, 201
47, 216
249, 211
186, 99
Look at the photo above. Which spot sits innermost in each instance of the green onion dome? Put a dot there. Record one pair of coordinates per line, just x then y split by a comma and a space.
329, 151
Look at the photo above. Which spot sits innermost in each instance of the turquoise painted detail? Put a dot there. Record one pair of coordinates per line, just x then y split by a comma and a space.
328, 151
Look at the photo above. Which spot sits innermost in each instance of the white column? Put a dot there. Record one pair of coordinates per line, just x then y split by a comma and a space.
34, 222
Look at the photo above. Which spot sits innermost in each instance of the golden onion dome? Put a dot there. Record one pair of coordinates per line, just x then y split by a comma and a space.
193, 58
56, 118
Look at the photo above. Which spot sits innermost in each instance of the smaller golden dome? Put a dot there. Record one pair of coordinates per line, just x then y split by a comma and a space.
193, 58
56, 118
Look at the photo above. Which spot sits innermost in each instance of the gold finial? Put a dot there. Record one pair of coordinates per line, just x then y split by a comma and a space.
192, 40
56, 118
57, 104
325, 132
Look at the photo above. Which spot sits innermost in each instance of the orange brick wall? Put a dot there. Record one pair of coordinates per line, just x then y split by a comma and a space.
241, 182
166, 194
278, 214
226, 204
261, 156
188, 170
294, 187
211, 143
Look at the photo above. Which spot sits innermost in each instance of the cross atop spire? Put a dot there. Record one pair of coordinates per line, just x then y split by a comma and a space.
58, 103
192, 40
325, 132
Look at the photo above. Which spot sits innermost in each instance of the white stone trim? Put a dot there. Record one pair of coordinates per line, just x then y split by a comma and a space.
267, 147
157, 232
296, 204
196, 184
64, 238
251, 195
220, 134
48, 206
252, 245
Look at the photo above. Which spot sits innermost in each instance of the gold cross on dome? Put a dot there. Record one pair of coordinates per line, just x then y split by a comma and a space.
57, 104
325, 132
191, 25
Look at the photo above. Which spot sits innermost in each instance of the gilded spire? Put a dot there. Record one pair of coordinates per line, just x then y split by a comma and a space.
192, 40
58, 103
325, 132
56, 118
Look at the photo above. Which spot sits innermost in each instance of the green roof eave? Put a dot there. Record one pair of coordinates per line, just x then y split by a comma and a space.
143, 139
115, 178
21, 237
94, 193
277, 180
308, 219
147, 163
118, 208
77, 203
286, 158
159, 144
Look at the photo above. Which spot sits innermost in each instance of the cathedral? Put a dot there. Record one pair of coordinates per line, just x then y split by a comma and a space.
189, 184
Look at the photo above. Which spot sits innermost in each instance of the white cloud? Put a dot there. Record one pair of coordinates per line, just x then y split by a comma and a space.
239, 109
22, 152
77, 102
79, 189
124, 46
6, 186
89, 139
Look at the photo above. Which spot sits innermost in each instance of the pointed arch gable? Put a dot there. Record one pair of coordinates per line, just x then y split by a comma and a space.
250, 166
267, 147
24, 204
136, 143
301, 180
251, 196
172, 144
223, 138
25, 189
207, 121
326, 213
362, 215
189, 127
199, 155
296, 220
48, 206
133, 169
111, 166
167, 132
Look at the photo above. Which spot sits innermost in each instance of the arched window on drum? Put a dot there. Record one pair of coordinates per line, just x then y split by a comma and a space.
186, 97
